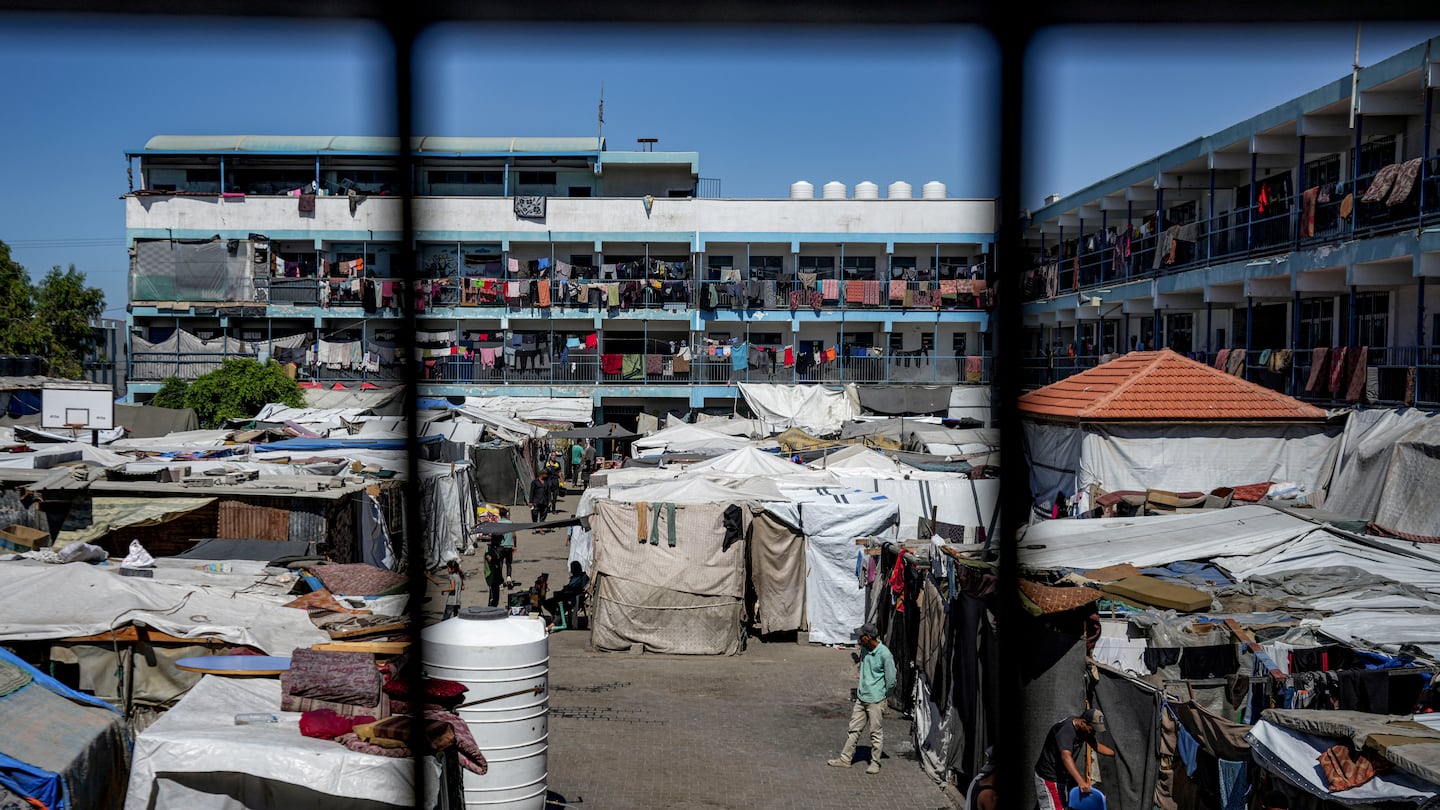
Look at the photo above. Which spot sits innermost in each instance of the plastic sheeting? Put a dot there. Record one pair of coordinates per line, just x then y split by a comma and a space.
1388, 471
190, 756
1159, 540
579, 410
686, 438
110, 513
1275, 748
148, 421
953, 499
44, 602
777, 569
814, 408
748, 461
191, 270
831, 520
970, 402
859, 458
905, 399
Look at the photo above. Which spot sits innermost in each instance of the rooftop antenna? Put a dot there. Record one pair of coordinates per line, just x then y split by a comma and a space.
600, 123
1355, 79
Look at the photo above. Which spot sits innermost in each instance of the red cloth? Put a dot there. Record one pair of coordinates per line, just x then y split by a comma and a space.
611, 363
1222, 359
437, 690
1251, 493
591, 341
897, 580
1338, 358
1318, 358
325, 724
1356, 358
789, 357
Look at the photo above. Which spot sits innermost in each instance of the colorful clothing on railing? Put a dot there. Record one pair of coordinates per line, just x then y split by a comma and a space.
1381, 184
1404, 182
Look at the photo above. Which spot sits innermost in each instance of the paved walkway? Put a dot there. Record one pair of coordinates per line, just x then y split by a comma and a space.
703, 732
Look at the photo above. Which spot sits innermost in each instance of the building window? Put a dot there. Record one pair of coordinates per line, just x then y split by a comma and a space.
1322, 171
900, 264
536, 178
465, 178
958, 344
859, 267
766, 268
822, 266
717, 264
1317, 323
897, 342
1376, 154
1181, 214
1372, 319
1180, 331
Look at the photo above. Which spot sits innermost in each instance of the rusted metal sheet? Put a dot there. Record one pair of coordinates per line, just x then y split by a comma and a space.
259, 519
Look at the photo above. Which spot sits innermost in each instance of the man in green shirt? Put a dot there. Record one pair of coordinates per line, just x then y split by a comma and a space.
577, 458
877, 681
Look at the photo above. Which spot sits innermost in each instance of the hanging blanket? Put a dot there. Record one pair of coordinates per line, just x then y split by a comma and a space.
611, 363
854, 292
1381, 185
633, 367
830, 289
897, 290
1222, 360
1338, 359
1318, 357
1404, 182
1355, 359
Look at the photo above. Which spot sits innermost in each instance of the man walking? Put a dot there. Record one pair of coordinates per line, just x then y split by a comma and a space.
1058, 768
539, 496
877, 681
577, 460
589, 460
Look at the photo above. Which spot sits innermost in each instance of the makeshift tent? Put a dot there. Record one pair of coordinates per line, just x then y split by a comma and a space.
46, 602
814, 408
1156, 420
905, 400
579, 410
1388, 474
681, 591
970, 402
747, 461
148, 421
733, 425
687, 439
946, 497
607, 430
858, 457
196, 756
107, 514
314, 445
831, 519
61, 749
501, 473
381, 402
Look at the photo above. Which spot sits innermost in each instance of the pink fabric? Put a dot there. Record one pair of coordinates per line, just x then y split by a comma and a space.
326, 724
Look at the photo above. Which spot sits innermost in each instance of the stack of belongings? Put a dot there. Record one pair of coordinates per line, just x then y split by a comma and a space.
388, 728
330, 582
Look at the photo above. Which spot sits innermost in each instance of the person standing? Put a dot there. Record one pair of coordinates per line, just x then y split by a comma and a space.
1058, 767
553, 479
577, 459
539, 496
454, 584
589, 459
493, 576
877, 681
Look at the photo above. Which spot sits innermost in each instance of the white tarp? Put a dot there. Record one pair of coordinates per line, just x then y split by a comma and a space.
579, 410
94, 456
748, 461
183, 440
188, 757
684, 438
44, 602
511, 430
951, 498
733, 425
1388, 471
1159, 540
813, 408
857, 457
1200, 458
970, 402
1275, 749
831, 520
318, 420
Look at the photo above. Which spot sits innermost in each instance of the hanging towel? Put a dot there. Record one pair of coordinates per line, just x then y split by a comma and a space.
1189, 749
1222, 359
740, 357
654, 363
633, 367
830, 289
611, 363
487, 358
591, 341
789, 357
1265, 358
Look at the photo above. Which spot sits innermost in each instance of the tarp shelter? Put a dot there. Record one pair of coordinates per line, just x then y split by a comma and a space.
578, 410
342, 445
686, 438
830, 520
196, 756
381, 402
733, 425
748, 461
970, 402
61, 749
947, 497
858, 457
795, 439
908, 400
814, 408
1156, 420
682, 590
1388, 472
48, 602
501, 472
148, 421
107, 514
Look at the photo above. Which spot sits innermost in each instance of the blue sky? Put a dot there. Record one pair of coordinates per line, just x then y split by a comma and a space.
763, 106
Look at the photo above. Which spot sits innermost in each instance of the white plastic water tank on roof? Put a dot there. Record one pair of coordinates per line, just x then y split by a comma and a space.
866, 190
833, 190
801, 190
933, 190
899, 190
504, 663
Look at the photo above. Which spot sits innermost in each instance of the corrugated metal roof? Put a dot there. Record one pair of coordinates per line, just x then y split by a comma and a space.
361, 144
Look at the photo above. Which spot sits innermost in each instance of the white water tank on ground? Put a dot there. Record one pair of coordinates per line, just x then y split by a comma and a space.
866, 190
495, 654
933, 190
801, 190
833, 190
899, 190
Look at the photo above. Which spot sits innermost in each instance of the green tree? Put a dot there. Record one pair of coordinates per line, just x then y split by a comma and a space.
67, 310
236, 390
171, 394
52, 319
